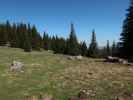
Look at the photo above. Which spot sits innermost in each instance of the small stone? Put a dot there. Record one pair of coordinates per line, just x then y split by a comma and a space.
70, 57
79, 57
47, 97
16, 66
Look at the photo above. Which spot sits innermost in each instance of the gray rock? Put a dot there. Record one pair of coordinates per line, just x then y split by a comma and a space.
70, 57
116, 60
75, 57
112, 59
16, 66
83, 94
79, 57
123, 61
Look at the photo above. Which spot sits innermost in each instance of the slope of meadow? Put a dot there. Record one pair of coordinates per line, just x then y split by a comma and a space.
53, 74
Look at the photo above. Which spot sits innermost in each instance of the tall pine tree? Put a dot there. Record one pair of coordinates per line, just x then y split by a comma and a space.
93, 49
114, 50
72, 43
46, 41
36, 39
108, 51
126, 44
83, 48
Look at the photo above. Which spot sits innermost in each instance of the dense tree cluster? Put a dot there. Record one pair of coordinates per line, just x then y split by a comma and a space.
28, 38
109, 50
20, 36
69, 46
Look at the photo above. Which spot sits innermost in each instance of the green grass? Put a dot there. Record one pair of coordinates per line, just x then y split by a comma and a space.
47, 73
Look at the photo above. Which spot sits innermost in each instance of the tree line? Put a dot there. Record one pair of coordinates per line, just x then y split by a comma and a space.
27, 37
71, 45
20, 36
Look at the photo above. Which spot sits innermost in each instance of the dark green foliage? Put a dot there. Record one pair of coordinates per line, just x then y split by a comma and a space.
2, 35
102, 52
14, 40
59, 45
27, 44
36, 40
46, 41
72, 43
68, 46
53, 43
20, 36
83, 49
108, 50
93, 49
114, 50
126, 44
27, 37
8, 30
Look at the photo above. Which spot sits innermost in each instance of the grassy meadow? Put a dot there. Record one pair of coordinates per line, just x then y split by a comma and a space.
54, 74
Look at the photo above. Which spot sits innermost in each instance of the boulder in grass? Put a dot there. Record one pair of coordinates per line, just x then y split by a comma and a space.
16, 66
47, 97
86, 93
123, 61
75, 57
79, 57
112, 59
83, 94
70, 57
116, 60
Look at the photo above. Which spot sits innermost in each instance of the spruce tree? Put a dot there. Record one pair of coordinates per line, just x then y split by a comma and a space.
20, 35
114, 49
72, 43
9, 35
14, 39
93, 48
36, 39
2, 36
108, 51
46, 41
53, 44
83, 48
21, 31
27, 43
25, 40
126, 43
60, 45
